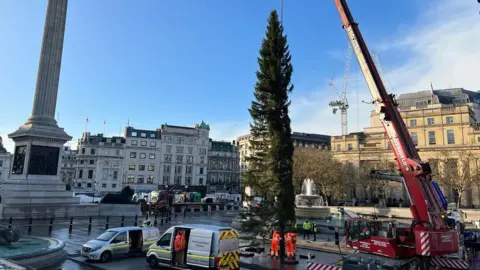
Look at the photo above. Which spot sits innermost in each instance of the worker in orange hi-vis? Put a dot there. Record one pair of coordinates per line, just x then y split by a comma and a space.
275, 243
289, 244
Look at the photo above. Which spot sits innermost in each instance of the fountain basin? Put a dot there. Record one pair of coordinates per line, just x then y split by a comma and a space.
312, 212
37, 252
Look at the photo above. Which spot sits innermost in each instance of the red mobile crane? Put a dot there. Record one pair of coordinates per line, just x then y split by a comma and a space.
428, 235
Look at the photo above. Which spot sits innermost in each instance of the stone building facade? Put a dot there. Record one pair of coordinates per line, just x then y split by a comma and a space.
443, 125
69, 163
223, 168
99, 164
5, 158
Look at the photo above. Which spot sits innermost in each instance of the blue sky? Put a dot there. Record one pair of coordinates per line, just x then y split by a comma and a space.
181, 62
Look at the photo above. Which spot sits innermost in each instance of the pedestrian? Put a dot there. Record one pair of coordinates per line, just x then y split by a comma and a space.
306, 229
314, 227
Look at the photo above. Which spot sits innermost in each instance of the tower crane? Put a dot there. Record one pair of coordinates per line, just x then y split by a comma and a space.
342, 102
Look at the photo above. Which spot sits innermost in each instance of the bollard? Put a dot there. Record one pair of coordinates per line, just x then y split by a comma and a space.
89, 224
192, 210
30, 226
136, 221
50, 225
10, 223
155, 221
209, 208
106, 223
123, 221
185, 211
70, 227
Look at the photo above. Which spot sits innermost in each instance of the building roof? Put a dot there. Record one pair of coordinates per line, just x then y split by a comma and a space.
222, 146
450, 96
311, 137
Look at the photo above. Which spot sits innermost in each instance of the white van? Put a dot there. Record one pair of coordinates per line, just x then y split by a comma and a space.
213, 247
120, 242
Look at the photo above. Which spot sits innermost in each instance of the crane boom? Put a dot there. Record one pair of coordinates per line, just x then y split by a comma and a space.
426, 206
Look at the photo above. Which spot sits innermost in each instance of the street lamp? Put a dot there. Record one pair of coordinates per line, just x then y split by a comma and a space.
93, 195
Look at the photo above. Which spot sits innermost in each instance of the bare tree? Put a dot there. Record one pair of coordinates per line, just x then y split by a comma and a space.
459, 171
380, 161
320, 166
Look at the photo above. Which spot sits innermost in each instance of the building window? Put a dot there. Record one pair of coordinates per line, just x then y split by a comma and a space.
89, 185
143, 155
203, 141
133, 154
178, 169
153, 144
91, 162
169, 149
117, 152
134, 133
430, 121
414, 136
190, 141
90, 174
179, 149
350, 147
115, 174
450, 136
413, 122
168, 158
143, 135
449, 119
131, 167
188, 170
141, 167
339, 148
130, 179
190, 150
92, 151
169, 139
1, 163
178, 180
143, 143
80, 174
203, 151
188, 180
478, 139
166, 179
166, 168
200, 181
202, 159
151, 167
189, 159
114, 185
104, 185
134, 142
150, 179
179, 159
431, 138
151, 156
140, 179
83, 150
201, 170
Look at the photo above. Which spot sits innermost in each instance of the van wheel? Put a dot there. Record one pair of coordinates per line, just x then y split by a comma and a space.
153, 262
106, 257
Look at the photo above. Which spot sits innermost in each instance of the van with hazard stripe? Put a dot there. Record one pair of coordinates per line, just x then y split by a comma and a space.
204, 246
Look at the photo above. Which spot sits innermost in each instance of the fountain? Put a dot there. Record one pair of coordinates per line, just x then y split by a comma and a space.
309, 204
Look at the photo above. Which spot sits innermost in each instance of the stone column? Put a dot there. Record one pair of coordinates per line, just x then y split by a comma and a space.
46, 90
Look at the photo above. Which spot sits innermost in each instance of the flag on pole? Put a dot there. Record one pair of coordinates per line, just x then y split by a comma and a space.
86, 120
431, 86
104, 122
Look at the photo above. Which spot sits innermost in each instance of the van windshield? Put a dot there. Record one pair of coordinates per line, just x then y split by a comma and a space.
106, 236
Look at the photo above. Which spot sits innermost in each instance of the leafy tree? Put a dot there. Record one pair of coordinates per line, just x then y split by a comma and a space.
270, 165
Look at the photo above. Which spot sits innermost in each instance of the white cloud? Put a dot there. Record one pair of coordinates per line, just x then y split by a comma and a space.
443, 48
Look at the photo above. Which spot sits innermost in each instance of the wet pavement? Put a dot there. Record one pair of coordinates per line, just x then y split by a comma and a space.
80, 234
